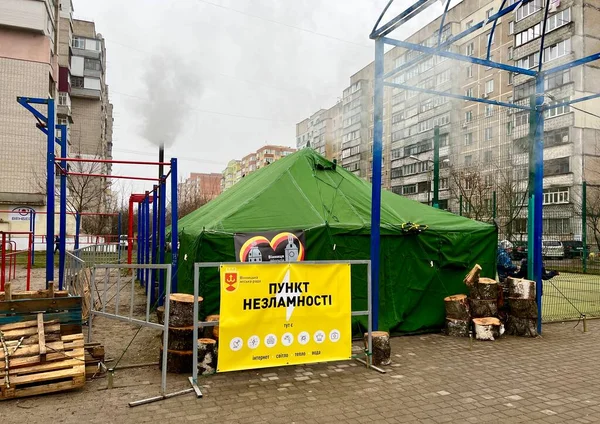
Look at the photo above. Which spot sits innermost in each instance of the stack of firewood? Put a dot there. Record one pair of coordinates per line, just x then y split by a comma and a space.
522, 307
480, 309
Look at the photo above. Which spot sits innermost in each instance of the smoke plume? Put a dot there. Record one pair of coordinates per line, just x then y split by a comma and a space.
171, 83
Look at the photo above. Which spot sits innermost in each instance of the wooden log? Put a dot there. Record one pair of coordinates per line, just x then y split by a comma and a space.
473, 275
178, 362
382, 350
519, 288
181, 338
523, 308
484, 288
181, 310
160, 314
8, 291
457, 327
488, 328
213, 331
207, 356
481, 308
457, 307
524, 327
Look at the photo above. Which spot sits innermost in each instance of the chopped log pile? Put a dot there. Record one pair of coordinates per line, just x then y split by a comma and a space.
480, 312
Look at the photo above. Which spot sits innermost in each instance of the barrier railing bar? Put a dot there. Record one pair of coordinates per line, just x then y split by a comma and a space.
130, 320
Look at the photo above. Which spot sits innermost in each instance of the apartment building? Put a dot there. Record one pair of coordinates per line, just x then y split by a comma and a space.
231, 175
28, 67
485, 139
237, 170
322, 131
201, 186
571, 134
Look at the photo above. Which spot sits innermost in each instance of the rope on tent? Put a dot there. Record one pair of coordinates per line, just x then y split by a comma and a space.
412, 228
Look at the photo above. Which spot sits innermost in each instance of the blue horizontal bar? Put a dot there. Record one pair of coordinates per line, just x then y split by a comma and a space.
570, 102
34, 100
573, 64
401, 18
456, 96
457, 56
457, 37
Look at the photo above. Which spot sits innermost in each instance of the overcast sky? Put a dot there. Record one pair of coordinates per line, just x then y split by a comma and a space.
217, 79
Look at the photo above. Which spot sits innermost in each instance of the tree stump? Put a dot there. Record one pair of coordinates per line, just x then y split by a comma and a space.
481, 308
207, 356
524, 327
160, 314
520, 288
488, 328
178, 362
523, 308
484, 288
457, 307
181, 310
457, 327
382, 350
181, 338
211, 332
473, 276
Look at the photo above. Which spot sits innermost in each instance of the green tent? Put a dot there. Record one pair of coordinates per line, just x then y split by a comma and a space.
332, 206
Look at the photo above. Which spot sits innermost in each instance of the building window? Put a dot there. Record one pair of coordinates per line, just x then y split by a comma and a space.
556, 195
511, 27
78, 42
443, 183
470, 71
469, 92
409, 189
92, 64
470, 49
488, 134
63, 99
468, 139
77, 82
489, 13
529, 9
510, 53
489, 110
396, 173
561, 110
511, 78
557, 80
557, 226
556, 137
556, 166
469, 24
560, 49
509, 128
468, 116
468, 160
521, 118
489, 86
487, 157
487, 40
525, 90
444, 140
398, 117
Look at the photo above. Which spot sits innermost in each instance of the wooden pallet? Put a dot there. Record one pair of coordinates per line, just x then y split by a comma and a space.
40, 360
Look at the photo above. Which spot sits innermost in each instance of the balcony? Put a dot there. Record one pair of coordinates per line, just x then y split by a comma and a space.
25, 15
92, 54
87, 93
63, 110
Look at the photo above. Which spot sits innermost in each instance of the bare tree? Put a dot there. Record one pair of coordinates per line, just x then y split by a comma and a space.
475, 189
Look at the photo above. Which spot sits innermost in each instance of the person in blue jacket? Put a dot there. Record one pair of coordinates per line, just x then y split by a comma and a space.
504, 264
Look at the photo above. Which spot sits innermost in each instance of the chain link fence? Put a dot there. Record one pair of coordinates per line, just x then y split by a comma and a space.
484, 174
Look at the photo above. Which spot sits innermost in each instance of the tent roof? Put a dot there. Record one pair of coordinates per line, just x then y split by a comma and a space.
304, 191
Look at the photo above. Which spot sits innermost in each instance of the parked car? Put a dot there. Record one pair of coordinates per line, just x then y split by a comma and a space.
574, 249
519, 250
553, 249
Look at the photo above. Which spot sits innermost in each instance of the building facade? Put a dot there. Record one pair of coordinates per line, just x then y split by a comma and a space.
236, 170
483, 149
322, 131
201, 185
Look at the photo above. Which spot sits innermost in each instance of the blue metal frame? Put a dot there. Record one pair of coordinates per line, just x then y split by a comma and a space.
139, 242
162, 238
174, 226
536, 109
77, 229
154, 244
62, 231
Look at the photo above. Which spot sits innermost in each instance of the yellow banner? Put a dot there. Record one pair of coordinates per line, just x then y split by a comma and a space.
283, 314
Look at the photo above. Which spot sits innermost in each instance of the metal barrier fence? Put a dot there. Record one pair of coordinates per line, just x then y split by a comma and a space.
197, 323
106, 253
116, 293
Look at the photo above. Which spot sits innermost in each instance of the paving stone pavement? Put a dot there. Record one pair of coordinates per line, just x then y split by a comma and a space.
433, 379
